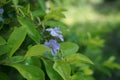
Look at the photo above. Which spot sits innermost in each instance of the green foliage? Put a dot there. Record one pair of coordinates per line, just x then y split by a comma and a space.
30, 72
3, 49
37, 13
30, 27
3, 76
16, 39
63, 69
42, 4
110, 63
14, 59
78, 76
53, 75
55, 14
15, 2
2, 41
97, 38
33, 61
77, 58
37, 50
69, 48
23, 54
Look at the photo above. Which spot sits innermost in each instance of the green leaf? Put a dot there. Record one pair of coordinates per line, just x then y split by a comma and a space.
33, 61
55, 14
78, 76
24, 10
53, 75
16, 39
15, 59
110, 63
104, 70
88, 71
2, 41
58, 2
4, 49
31, 28
15, 2
38, 13
30, 72
63, 68
42, 4
3, 76
27, 9
36, 50
77, 58
69, 48
53, 23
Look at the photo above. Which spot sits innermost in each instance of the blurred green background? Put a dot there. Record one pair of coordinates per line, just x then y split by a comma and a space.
95, 27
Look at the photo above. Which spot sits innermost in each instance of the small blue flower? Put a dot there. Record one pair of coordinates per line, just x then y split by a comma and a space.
53, 45
55, 32
1, 11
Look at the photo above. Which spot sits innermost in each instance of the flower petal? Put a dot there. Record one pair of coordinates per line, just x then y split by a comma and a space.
1, 11
53, 45
54, 52
61, 37
56, 33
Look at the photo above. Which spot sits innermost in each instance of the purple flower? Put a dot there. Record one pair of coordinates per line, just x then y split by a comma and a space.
55, 32
53, 45
1, 11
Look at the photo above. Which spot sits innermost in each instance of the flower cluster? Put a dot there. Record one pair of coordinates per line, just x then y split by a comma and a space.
1, 12
53, 44
55, 32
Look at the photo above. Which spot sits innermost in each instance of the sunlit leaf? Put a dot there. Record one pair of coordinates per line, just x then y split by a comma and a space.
110, 63
31, 28
4, 49
2, 41
88, 71
63, 68
42, 4
36, 50
15, 2
78, 76
69, 48
15, 59
16, 39
55, 14
30, 72
77, 58
33, 61
53, 75
38, 13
